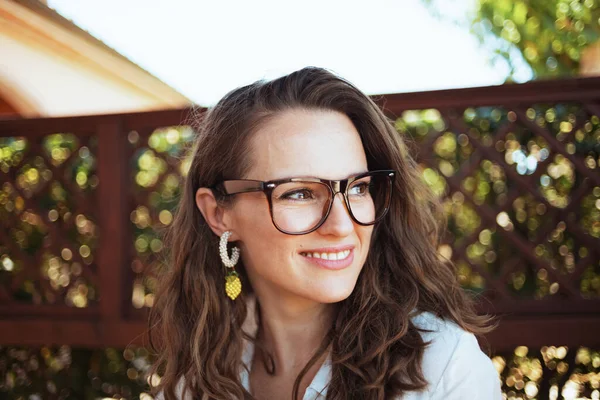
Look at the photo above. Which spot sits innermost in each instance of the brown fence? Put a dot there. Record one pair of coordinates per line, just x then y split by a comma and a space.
82, 200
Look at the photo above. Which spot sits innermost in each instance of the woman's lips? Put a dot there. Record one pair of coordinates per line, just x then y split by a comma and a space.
335, 258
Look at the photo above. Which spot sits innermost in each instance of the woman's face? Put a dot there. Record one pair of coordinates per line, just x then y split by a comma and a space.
302, 143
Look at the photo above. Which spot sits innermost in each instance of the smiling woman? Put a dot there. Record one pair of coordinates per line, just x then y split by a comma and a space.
333, 289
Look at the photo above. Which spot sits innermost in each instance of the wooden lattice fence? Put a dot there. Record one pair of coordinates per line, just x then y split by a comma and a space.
83, 201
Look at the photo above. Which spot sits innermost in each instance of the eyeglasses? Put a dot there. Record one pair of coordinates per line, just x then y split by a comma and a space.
301, 205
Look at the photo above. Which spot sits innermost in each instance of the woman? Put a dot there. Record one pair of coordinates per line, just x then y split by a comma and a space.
304, 259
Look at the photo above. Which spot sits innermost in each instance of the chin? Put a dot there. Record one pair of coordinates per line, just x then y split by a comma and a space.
334, 293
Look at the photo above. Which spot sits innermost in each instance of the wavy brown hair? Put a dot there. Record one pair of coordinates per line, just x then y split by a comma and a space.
376, 351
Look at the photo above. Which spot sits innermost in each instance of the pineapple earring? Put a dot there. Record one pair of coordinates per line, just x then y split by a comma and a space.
233, 285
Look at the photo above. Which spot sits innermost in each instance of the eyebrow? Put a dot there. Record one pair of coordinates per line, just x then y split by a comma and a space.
310, 177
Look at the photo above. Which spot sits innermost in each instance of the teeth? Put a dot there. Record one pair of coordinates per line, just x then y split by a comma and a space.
329, 256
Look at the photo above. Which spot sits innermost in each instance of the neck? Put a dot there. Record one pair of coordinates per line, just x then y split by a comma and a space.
292, 329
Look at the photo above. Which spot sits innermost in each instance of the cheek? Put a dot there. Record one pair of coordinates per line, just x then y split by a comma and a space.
365, 234
249, 213
261, 241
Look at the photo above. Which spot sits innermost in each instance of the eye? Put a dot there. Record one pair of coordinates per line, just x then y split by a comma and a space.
360, 189
300, 194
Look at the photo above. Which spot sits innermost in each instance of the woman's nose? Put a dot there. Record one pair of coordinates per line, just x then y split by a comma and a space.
338, 221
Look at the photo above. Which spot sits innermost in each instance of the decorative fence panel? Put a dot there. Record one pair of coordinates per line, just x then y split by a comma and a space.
74, 199
517, 167
83, 201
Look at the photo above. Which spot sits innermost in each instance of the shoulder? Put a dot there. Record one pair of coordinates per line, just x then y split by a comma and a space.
453, 364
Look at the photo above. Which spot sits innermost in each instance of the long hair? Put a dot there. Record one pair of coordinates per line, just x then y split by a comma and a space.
376, 351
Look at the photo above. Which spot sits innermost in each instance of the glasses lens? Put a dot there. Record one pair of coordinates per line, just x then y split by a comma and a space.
299, 206
369, 197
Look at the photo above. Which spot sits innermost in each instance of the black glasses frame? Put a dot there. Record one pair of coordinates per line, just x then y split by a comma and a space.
237, 186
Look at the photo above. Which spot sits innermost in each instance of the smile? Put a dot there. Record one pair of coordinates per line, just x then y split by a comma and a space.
340, 255
330, 258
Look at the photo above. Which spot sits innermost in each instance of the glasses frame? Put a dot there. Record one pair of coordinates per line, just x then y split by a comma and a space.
238, 186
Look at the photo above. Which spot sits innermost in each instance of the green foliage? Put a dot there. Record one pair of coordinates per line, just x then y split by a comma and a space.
549, 35
74, 374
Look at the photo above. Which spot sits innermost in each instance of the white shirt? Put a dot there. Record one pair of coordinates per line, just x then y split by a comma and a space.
453, 365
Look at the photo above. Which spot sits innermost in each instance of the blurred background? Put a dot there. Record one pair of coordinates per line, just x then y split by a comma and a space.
501, 99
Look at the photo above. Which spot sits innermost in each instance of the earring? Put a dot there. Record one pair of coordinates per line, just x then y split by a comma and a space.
233, 284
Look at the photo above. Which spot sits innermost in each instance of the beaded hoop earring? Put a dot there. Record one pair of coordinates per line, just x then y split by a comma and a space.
233, 284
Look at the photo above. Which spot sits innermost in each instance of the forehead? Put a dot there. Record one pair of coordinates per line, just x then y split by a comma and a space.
298, 142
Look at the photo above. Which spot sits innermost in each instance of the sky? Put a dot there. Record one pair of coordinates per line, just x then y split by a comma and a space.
205, 49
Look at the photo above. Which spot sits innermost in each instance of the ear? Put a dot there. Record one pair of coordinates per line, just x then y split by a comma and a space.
215, 215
